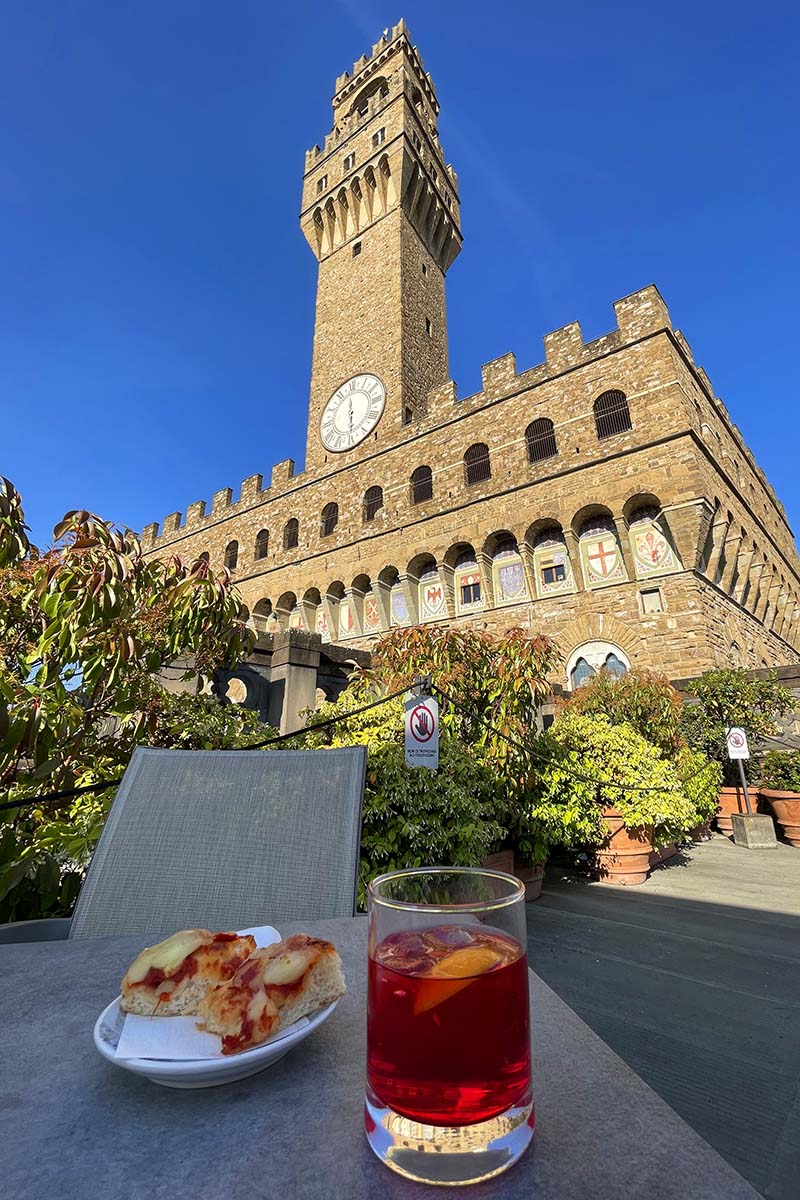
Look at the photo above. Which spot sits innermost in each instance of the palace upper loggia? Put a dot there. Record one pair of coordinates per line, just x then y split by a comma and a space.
602, 497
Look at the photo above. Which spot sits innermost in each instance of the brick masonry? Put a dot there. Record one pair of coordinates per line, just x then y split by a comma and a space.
700, 564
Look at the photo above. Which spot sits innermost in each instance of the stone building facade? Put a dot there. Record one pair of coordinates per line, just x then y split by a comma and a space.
603, 497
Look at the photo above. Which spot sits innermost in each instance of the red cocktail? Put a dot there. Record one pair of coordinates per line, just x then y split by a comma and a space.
448, 1039
448, 1032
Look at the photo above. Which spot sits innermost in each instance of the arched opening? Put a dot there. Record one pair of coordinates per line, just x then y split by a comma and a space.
373, 502
421, 485
262, 544
477, 464
591, 657
508, 572
540, 440
329, 519
601, 556
552, 567
466, 579
378, 86
231, 555
653, 552
611, 413
291, 534
204, 557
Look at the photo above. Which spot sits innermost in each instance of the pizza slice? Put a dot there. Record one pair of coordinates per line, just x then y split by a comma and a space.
171, 978
277, 986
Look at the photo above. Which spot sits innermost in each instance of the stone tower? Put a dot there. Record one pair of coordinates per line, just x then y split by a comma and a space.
381, 213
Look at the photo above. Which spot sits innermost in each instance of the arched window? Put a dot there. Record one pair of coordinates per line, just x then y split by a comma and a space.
291, 534
551, 562
540, 440
653, 552
611, 413
601, 556
329, 519
373, 502
231, 555
477, 467
615, 665
580, 673
204, 557
262, 543
421, 485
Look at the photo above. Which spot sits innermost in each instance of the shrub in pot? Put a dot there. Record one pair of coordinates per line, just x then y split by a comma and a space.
700, 779
645, 700
780, 787
577, 799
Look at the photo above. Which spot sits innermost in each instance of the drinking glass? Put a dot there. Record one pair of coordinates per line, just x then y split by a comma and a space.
448, 1096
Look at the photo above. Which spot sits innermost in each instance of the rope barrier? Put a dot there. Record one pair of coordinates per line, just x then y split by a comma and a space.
68, 793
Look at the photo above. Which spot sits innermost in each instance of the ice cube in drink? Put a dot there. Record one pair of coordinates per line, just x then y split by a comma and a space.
448, 1037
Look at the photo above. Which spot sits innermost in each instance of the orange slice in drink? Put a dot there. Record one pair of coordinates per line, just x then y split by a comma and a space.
452, 974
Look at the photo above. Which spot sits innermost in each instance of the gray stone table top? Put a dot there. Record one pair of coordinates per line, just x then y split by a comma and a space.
75, 1127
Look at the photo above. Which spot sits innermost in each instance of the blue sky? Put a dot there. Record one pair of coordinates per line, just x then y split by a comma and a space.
157, 296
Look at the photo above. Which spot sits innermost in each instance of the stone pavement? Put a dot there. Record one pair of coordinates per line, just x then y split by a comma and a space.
694, 980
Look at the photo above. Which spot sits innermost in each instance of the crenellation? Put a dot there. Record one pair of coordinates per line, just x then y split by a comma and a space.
171, 524
195, 514
251, 489
438, 397
563, 346
684, 345
497, 374
641, 313
149, 535
220, 501
282, 472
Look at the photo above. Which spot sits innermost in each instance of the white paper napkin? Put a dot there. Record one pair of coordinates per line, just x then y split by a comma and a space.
177, 1038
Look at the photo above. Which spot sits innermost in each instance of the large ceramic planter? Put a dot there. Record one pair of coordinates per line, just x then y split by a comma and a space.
700, 833
532, 877
731, 800
502, 860
786, 807
624, 857
663, 855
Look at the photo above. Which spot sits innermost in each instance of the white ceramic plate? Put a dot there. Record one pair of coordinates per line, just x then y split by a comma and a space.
198, 1073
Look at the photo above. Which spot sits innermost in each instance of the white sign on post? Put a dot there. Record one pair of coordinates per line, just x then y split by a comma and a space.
422, 731
736, 741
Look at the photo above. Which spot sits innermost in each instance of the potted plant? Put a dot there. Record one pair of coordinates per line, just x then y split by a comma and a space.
700, 779
579, 799
733, 697
780, 787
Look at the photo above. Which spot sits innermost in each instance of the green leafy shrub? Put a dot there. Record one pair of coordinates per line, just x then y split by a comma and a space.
412, 816
84, 629
587, 748
700, 778
732, 697
645, 700
780, 770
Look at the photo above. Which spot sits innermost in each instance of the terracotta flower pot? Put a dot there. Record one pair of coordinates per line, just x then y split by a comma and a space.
502, 860
786, 807
731, 800
700, 833
531, 876
663, 855
624, 857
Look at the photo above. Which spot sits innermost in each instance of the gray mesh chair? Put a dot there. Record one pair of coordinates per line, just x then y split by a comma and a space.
226, 840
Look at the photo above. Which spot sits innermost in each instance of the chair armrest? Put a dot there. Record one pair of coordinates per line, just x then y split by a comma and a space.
48, 929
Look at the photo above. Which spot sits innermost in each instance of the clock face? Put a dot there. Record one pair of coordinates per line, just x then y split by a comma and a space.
352, 412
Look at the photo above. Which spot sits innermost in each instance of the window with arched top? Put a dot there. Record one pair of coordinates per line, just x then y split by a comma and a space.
231, 555
510, 584
204, 557
329, 519
291, 534
611, 413
373, 502
262, 543
477, 465
601, 557
580, 673
421, 485
540, 440
653, 552
615, 665
552, 567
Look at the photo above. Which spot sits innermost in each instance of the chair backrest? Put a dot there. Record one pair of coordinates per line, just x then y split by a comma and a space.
225, 840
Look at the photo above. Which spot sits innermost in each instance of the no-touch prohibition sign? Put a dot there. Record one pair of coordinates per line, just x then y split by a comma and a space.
422, 731
736, 742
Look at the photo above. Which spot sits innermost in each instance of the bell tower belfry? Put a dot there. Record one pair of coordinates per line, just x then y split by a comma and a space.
381, 213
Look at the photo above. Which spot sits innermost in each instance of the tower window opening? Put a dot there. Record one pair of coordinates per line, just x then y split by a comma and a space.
379, 137
421, 485
356, 249
322, 183
416, 140
428, 326
424, 268
611, 413
434, 175
477, 465
408, 415
329, 519
350, 161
